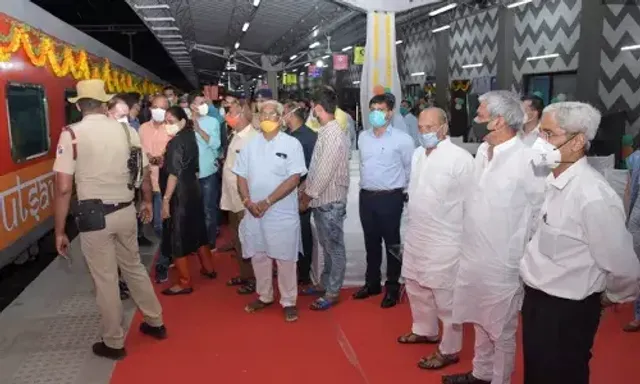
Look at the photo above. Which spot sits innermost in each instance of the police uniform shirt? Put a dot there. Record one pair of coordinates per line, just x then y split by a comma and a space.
100, 167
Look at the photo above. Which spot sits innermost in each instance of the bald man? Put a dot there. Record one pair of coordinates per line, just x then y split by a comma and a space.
440, 174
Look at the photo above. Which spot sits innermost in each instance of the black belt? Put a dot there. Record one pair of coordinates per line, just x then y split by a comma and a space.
110, 208
382, 191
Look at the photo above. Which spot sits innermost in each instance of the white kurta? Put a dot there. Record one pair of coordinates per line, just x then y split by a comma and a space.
433, 235
499, 211
266, 165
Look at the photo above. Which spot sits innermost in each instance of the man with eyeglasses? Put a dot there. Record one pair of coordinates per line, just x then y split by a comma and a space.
294, 117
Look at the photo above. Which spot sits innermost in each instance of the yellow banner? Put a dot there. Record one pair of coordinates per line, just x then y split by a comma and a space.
289, 79
358, 55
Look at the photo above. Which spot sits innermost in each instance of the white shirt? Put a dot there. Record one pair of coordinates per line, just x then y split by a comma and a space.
581, 245
499, 213
529, 138
435, 214
266, 164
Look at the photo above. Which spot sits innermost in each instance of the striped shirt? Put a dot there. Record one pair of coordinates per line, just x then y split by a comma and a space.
328, 178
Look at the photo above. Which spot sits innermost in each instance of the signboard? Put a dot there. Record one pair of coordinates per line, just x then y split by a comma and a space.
340, 62
358, 55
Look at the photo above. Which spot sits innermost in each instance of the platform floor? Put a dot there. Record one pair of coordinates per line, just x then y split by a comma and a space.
47, 332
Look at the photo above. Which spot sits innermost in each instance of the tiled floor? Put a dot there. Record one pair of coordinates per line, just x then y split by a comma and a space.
47, 332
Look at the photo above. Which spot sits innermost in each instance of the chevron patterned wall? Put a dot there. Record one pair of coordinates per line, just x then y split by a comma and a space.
473, 40
417, 53
619, 87
545, 27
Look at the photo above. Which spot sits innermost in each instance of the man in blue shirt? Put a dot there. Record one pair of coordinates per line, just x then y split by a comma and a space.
385, 167
207, 131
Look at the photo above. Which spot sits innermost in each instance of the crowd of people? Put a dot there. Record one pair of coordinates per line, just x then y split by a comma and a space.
527, 226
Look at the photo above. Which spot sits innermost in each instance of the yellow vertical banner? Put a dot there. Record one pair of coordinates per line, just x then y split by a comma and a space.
358, 55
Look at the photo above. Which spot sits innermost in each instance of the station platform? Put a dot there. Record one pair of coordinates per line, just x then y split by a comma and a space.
47, 333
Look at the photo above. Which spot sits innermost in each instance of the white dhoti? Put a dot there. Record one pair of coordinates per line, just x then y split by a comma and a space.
427, 306
287, 279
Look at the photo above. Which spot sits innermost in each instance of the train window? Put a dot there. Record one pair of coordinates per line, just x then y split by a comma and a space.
71, 113
28, 121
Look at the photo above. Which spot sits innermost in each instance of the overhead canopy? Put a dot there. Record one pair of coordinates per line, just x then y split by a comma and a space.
211, 39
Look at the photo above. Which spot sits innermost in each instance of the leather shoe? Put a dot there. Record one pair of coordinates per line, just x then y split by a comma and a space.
366, 291
463, 378
390, 298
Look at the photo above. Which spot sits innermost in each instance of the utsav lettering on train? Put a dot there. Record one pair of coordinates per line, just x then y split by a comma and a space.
38, 72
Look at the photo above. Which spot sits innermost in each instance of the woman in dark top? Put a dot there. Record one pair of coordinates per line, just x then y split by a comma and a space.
183, 229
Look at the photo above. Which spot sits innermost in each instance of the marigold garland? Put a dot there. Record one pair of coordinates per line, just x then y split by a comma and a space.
74, 62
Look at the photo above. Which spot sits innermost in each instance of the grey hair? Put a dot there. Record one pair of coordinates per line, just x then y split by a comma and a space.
576, 117
443, 118
276, 105
507, 105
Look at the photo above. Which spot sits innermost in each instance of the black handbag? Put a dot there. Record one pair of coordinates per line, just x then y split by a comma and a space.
90, 215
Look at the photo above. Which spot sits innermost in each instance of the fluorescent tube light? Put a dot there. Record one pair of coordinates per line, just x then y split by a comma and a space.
356, 82
165, 28
440, 29
237, 45
519, 3
256, 3
245, 27
630, 47
417, 74
445, 8
315, 32
293, 57
475, 65
306, 65
169, 36
325, 57
398, 42
345, 49
173, 43
542, 57
316, 44
159, 19
157, 6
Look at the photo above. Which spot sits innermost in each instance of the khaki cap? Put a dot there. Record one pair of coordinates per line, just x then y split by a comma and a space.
91, 89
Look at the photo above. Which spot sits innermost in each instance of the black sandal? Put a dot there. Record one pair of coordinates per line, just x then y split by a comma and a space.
437, 361
236, 281
247, 288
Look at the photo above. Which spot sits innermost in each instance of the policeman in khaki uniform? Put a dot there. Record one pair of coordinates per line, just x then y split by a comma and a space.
101, 153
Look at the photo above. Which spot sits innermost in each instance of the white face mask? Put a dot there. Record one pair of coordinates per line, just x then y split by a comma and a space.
124, 120
172, 129
546, 154
203, 109
157, 114
222, 112
187, 111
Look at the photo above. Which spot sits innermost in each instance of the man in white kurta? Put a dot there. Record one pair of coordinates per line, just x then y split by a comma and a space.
441, 172
269, 169
499, 210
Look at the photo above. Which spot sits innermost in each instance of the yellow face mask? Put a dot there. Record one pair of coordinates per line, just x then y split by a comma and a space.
269, 126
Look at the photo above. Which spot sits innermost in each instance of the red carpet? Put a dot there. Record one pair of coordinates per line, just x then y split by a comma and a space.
212, 340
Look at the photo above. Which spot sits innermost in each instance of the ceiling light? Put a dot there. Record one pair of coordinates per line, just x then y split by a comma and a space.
398, 42
316, 44
259, 76
440, 10
173, 43
237, 45
325, 57
169, 36
440, 29
157, 6
345, 49
315, 32
293, 57
475, 65
320, 63
165, 28
256, 3
159, 19
356, 82
306, 65
417, 74
301, 73
542, 57
519, 3
245, 27
630, 47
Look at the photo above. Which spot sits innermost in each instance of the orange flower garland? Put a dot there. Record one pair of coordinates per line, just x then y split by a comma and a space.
73, 62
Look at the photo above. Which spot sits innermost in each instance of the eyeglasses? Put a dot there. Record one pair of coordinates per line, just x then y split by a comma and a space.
268, 114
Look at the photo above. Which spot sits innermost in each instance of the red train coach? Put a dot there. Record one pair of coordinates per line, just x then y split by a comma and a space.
37, 74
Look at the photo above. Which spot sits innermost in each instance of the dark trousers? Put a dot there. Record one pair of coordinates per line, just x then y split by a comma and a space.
209, 188
380, 215
557, 337
305, 258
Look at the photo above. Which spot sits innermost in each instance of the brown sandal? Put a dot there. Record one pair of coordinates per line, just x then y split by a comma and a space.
247, 288
256, 306
438, 361
412, 338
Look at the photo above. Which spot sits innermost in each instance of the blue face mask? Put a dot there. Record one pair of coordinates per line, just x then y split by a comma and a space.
377, 119
429, 140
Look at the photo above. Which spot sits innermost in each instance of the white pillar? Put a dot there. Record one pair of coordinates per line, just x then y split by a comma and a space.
380, 69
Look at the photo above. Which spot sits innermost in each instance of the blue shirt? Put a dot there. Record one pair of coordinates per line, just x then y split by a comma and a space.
213, 112
134, 123
385, 161
208, 151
